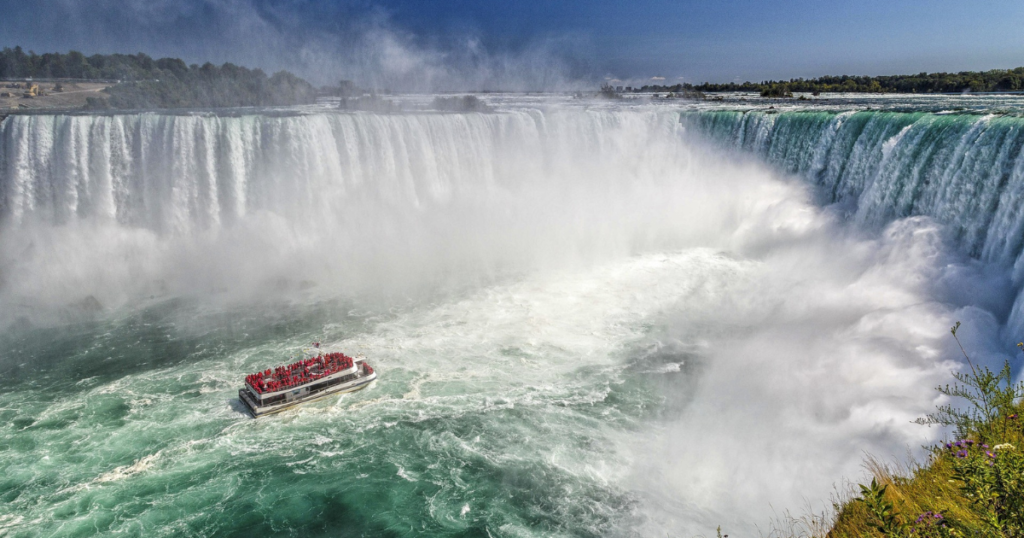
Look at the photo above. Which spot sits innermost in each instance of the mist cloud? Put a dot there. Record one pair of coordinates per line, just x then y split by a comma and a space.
324, 43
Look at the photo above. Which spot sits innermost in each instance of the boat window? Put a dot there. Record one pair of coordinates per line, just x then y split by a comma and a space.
273, 399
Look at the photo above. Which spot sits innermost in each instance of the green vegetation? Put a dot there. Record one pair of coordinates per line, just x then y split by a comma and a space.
996, 80
883, 515
973, 486
608, 91
210, 86
776, 90
466, 103
143, 82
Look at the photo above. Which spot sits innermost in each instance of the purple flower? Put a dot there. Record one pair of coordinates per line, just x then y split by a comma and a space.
970, 442
989, 454
938, 515
1013, 416
984, 446
949, 445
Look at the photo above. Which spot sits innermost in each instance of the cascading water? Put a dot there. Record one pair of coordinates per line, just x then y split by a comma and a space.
586, 322
966, 170
369, 194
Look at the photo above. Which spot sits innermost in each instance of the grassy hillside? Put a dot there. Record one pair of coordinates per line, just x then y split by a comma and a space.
971, 486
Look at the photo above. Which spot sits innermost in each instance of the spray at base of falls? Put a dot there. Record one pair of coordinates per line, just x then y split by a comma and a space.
964, 170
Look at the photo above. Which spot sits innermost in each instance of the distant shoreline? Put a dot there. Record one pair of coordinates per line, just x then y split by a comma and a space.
995, 80
137, 81
58, 104
66, 94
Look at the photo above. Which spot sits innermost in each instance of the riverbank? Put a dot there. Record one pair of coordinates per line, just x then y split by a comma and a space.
74, 95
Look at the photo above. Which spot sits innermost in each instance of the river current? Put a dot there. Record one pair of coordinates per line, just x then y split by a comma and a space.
589, 318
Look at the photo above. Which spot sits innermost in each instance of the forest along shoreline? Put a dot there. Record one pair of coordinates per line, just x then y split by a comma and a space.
73, 81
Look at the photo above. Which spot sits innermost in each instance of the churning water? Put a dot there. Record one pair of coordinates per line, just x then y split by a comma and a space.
589, 319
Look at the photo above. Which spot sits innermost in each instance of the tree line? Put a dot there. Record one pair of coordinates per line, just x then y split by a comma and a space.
144, 82
996, 80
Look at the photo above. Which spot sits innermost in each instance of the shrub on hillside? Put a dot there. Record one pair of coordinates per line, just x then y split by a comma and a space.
971, 487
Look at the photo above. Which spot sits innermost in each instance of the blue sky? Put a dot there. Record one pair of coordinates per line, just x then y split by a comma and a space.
536, 42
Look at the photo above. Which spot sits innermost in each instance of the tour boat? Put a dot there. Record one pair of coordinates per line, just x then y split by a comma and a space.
314, 377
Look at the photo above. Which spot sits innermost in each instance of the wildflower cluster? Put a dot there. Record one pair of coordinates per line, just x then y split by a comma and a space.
962, 447
931, 525
992, 479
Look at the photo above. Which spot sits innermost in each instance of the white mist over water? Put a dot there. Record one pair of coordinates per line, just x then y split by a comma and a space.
546, 257
351, 202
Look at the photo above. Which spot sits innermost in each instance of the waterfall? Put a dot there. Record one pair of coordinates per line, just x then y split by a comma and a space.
579, 298
177, 174
964, 170
224, 199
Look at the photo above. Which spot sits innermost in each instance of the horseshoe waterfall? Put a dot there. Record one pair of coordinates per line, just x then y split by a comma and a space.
588, 318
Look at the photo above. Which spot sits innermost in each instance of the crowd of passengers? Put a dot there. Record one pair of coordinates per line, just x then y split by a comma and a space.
298, 373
